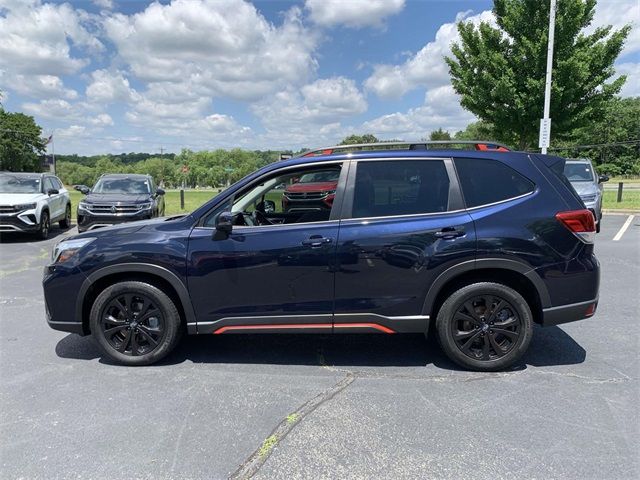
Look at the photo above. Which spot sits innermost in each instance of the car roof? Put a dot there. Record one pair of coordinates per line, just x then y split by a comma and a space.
578, 160
24, 174
132, 176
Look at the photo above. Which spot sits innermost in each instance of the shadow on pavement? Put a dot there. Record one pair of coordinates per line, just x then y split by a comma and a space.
550, 346
19, 237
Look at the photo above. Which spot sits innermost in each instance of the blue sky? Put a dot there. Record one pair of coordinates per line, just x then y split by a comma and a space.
120, 76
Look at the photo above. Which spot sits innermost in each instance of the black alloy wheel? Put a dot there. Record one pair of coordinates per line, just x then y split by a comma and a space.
135, 323
45, 225
132, 324
486, 327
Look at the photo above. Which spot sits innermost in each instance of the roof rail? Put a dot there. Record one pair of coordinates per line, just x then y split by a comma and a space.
481, 145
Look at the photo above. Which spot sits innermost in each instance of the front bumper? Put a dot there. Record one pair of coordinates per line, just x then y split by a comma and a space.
25, 221
59, 305
87, 221
569, 313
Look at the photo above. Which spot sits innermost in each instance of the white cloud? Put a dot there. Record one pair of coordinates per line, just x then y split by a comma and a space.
56, 109
224, 46
619, 13
37, 38
108, 87
426, 68
101, 120
106, 4
39, 86
441, 109
353, 13
323, 101
631, 87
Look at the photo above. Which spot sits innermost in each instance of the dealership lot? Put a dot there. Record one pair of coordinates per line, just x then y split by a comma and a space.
321, 406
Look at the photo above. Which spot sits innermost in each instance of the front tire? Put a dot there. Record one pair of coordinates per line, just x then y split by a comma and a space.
66, 221
135, 323
45, 225
485, 326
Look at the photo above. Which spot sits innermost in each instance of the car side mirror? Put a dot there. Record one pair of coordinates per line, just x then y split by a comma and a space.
160, 191
52, 191
82, 189
224, 222
603, 178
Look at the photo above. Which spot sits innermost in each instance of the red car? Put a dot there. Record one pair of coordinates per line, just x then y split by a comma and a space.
312, 191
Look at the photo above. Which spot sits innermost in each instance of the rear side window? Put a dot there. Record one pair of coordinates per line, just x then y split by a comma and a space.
400, 187
489, 181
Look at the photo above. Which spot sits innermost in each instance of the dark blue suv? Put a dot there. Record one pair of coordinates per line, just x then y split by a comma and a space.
474, 244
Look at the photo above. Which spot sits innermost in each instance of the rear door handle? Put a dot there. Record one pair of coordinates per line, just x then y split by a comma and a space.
450, 232
316, 241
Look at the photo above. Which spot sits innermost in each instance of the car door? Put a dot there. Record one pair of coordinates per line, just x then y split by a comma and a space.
265, 278
403, 224
53, 199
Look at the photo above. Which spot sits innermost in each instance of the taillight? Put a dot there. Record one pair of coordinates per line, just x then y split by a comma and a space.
580, 222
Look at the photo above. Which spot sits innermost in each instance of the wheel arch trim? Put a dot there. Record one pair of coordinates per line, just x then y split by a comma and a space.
485, 263
147, 268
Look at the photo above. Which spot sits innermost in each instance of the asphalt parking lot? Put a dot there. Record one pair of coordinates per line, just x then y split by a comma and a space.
321, 406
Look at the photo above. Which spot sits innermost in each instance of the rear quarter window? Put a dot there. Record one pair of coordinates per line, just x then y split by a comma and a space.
487, 181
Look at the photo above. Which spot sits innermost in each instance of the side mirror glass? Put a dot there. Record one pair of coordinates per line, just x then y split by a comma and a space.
52, 191
267, 206
224, 222
82, 189
603, 178
160, 191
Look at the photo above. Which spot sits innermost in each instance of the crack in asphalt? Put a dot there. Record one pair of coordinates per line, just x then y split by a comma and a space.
251, 466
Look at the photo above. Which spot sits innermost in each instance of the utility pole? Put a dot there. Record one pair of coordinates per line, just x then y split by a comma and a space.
545, 122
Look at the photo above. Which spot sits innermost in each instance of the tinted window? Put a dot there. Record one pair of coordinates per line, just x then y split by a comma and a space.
489, 181
388, 188
18, 184
121, 185
48, 184
578, 172
56, 182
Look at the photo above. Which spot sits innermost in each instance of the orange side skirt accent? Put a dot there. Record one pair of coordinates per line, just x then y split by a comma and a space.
302, 326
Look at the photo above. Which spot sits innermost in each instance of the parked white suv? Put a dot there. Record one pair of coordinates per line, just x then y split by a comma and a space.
30, 202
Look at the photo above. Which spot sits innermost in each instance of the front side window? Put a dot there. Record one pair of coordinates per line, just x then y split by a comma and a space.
297, 196
486, 181
18, 184
400, 187
48, 184
122, 186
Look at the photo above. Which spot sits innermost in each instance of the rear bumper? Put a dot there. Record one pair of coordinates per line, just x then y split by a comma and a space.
568, 313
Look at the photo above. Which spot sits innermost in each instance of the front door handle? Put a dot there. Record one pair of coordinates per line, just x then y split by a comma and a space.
316, 241
450, 232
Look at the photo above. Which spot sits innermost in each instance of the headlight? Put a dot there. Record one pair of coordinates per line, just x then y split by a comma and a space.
144, 206
25, 206
83, 206
66, 249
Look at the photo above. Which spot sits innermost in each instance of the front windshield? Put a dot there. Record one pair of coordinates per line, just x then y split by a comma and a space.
317, 177
121, 185
17, 184
578, 172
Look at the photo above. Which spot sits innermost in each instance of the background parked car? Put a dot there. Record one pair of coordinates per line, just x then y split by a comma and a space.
119, 198
29, 202
588, 184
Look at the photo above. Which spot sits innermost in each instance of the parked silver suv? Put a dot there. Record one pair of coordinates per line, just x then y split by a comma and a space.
587, 183
31, 202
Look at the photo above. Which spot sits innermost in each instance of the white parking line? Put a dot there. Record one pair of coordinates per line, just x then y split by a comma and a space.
623, 229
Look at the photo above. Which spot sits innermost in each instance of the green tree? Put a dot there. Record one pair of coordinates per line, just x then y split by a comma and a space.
354, 139
21, 144
479, 131
439, 134
500, 72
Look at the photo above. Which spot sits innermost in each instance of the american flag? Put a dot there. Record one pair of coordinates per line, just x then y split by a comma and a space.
48, 140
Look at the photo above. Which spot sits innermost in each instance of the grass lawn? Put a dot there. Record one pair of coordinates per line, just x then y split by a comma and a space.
630, 200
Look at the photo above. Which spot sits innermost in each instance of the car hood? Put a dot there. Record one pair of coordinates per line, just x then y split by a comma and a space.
131, 227
17, 198
584, 188
312, 187
115, 198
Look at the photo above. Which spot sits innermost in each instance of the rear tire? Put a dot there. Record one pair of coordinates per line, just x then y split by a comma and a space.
66, 221
135, 323
485, 326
